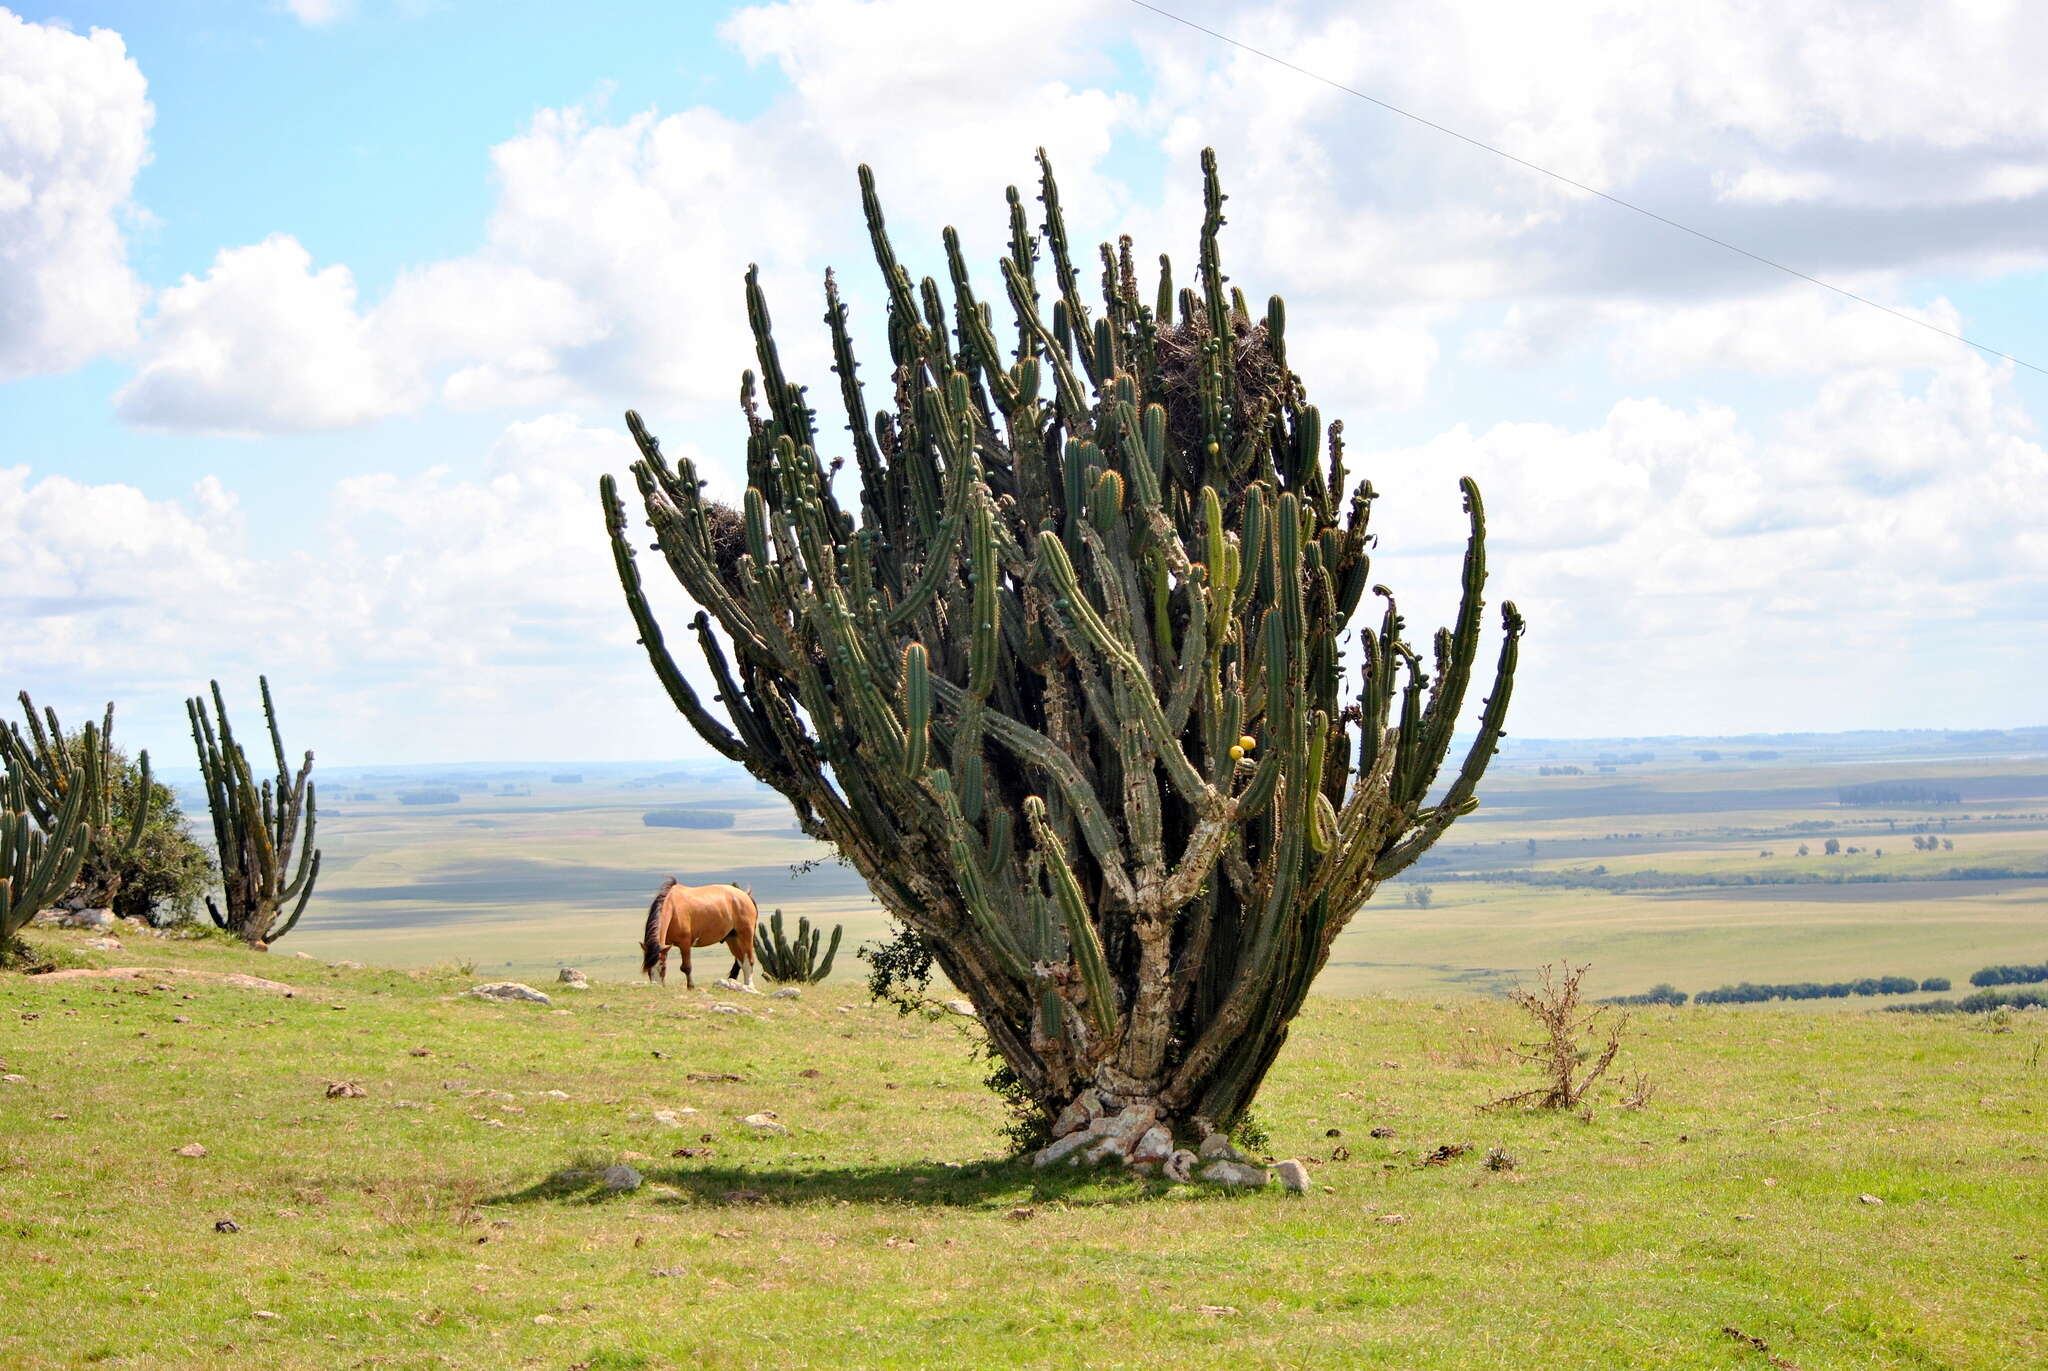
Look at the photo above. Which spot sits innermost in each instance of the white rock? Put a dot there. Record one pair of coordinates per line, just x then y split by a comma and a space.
88, 918
104, 944
672, 1118
788, 992
1180, 1166
766, 1124
508, 990
726, 1009
1064, 1148
1292, 1175
1217, 1147
1233, 1173
1155, 1145
14, 1078
621, 1177
569, 975
960, 1007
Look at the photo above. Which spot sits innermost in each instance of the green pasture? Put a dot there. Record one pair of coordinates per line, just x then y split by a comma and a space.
1852, 1191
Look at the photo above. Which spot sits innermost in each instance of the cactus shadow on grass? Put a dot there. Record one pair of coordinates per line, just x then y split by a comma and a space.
988, 1185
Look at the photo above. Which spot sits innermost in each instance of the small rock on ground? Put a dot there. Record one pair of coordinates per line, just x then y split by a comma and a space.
960, 1007
1292, 1176
621, 1177
766, 1124
192, 1150
788, 992
726, 1009
104, 944
508, 990
1233, 1173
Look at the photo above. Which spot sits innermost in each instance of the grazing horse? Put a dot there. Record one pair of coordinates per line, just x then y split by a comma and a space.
687, 916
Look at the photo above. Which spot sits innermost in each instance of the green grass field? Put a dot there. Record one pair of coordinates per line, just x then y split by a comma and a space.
450, 1216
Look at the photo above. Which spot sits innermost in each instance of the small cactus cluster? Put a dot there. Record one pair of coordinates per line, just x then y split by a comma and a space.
49, 764
1057, 663
794, 962
42, 848
256, 827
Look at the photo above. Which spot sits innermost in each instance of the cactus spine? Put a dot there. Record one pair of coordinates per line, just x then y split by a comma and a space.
49, 764
256, 828
1060, 673
794, 962
40, 857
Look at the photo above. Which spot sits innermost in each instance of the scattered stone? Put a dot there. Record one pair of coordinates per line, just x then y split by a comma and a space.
1217, 1310
669, 1272
1391, 1219
1216, 1146
1222, 1172
810, 1073
570, 978
1292, 1175
710, 1077
1745, 1218
669, 1118
1868, 1199
734, 983
305, 956
552, 1094
1497, 1159
345, 1090
14, 1078
543, 1318
347, 965
181, 1018
265, 1314
1391, 1066
1383, 1132
1180, 1167
726, 1009
788, 992
508, 990
1060, 1149
621, 1177
1154, 1145
766, 1124
87, 918
226, 1226
960, 1007
192, 1150
104, 944
1446, 1153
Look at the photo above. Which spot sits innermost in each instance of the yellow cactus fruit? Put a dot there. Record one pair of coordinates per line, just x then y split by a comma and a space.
1247, 742
1236, 752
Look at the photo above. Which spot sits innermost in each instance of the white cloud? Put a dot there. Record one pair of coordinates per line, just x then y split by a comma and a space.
263, 344
74, 130
319, 13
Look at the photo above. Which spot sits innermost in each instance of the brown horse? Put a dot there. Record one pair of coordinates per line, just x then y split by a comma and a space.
688, 916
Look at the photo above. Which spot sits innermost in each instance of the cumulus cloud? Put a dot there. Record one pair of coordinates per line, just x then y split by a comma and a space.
320, 13
74, 130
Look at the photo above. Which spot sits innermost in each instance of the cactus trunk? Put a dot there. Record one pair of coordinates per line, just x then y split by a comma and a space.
256, 828
49, 764
1060, 673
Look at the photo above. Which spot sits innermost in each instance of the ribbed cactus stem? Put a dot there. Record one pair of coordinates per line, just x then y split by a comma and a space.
258, 828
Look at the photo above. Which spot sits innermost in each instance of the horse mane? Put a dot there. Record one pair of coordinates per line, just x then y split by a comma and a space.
650, 946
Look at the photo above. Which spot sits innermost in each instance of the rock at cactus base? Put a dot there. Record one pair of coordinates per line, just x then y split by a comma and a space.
1292, 1175
1234, 1174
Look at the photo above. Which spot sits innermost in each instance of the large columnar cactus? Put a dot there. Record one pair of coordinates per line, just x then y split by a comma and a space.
1061, 672
795, 961
48, 763
256, 828
40, 857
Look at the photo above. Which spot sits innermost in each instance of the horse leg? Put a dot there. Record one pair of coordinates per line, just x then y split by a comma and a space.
745, 952
689, 981
732, 945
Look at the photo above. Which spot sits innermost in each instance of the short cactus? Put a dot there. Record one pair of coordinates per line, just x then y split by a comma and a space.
797, 962
256, 828
39, 859
48, 762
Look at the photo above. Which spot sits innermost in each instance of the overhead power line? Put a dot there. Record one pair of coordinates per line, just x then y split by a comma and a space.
1665, 220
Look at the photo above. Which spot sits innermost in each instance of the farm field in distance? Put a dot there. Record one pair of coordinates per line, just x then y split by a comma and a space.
522, 883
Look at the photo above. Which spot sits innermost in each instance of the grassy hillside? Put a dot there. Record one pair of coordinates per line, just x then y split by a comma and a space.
450, 1215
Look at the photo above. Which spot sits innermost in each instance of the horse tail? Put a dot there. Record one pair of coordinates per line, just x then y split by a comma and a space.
650, 946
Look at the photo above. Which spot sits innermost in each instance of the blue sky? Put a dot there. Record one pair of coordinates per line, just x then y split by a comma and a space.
317, 319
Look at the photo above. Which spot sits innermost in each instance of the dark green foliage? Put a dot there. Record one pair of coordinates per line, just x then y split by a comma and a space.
429, 797
1935, 983
1661, 993
1983, 1002
2016, 974
47, 761
686, 818
794, 961
1060, 669
899, 969
1897, 793
163, 878
256, 828
1746, 993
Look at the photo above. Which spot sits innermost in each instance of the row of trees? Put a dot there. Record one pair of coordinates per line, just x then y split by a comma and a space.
1746, 993
1982, 1002
2016, 974
84, 827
